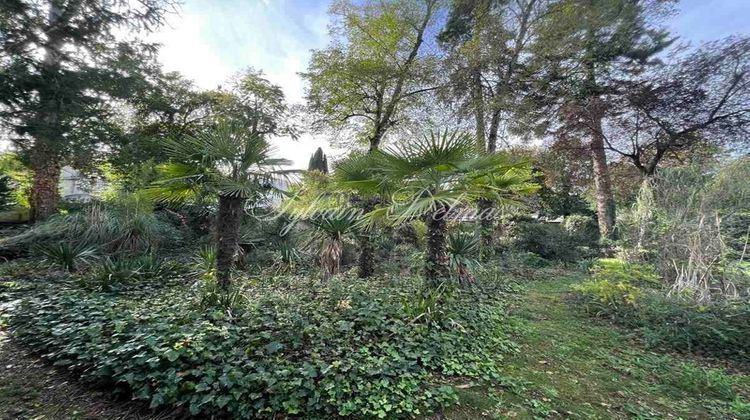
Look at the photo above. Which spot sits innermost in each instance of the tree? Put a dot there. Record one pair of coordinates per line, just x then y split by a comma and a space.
61, 70
230, 162
318, 162
703, 98
436, 175
583, 46
170, 107
488, 44
374, 69
259, 104
6, 192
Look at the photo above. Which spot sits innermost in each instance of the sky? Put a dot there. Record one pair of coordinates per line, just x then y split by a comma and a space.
210, 40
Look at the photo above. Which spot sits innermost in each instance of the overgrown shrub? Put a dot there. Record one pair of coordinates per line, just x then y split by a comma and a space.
720, 328
109, 228
547, 240
606, 298
582, 230
296, 347
619, 271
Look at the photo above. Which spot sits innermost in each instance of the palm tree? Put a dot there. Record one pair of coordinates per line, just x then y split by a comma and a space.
436, 174
354, 173
330, 229
229, 162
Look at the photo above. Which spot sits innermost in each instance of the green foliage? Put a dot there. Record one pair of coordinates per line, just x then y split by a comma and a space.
330, 228
228, 160
548, 240
318, 162
719, 328
463, 251
66, 255
6, 192
294, 347
583, 230
116, 273
606, 298
703, 382
371, 74
619, 271
18, 179
118, 229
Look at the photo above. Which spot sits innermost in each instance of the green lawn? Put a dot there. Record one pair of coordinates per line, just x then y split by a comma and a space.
570, 365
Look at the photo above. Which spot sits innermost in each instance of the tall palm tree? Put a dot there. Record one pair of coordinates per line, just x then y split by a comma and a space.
230, 162
436, 174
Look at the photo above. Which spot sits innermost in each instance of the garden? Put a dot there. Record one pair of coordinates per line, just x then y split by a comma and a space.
536, 209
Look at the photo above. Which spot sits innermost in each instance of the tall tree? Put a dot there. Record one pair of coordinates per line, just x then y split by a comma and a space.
703, 98
61, 68
374, 70
488, 44
229, 161
318, 162
375, 67
584, 46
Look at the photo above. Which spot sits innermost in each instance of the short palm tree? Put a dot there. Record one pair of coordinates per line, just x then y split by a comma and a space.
229, 162
436, 174
330, 229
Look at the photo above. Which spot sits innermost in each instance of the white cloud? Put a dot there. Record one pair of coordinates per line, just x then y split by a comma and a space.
185, 50
209, 41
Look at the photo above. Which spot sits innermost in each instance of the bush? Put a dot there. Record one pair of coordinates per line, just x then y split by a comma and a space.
720, 328
547, 240
582, 230
294, 347
606, 298
108, 228
619, 271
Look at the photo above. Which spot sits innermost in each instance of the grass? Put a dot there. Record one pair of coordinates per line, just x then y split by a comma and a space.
570, 365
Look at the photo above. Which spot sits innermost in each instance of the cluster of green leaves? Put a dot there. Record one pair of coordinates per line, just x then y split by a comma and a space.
606, 298
620, 271
114, 228
577, 237
721, 328
293, 347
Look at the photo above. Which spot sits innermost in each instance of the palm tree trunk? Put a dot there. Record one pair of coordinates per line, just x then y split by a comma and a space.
366, 257
437, 256
486, 225
227, 236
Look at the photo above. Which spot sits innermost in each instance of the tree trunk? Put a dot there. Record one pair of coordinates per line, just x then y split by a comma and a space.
605, 202
477, 98
366, 258
44, 160
437, 255
485, 207
45, 182
486, 226
227, 236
